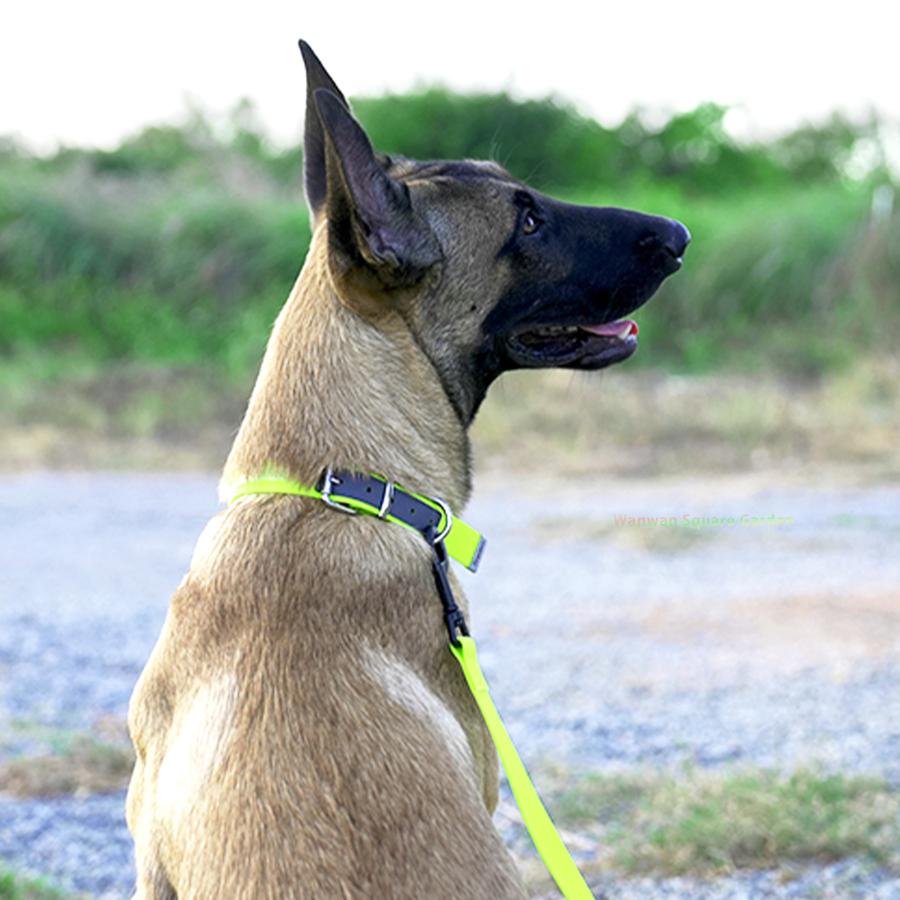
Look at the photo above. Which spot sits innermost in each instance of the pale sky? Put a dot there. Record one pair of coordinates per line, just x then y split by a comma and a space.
89, 71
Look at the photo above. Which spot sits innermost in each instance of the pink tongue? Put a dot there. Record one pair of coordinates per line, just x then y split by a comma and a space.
620, 328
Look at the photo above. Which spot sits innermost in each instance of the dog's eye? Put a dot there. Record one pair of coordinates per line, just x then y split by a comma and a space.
530, 223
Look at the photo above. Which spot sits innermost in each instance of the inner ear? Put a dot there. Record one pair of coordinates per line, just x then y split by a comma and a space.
371, 221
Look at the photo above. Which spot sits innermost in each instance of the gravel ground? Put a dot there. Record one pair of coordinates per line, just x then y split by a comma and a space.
775, 644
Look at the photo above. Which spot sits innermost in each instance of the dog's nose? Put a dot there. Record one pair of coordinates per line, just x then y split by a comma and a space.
676, 240
666, 242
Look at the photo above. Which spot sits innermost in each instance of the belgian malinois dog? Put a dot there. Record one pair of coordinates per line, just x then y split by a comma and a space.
301, 729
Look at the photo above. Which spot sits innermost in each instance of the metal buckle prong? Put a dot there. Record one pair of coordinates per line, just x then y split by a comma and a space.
328, 482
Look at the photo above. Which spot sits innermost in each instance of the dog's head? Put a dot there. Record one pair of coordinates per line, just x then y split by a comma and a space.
487, 273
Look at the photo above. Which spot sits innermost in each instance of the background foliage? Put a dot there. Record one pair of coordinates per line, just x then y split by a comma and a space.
178, 246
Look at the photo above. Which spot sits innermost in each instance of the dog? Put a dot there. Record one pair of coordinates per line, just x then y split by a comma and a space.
301, 730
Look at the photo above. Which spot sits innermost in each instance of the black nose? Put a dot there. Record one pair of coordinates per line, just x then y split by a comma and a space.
675, 239
666, 242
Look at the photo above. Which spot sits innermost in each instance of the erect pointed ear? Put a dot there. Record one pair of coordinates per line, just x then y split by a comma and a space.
371, 221
314, 183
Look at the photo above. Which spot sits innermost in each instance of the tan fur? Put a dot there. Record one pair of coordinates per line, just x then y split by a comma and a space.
301, 729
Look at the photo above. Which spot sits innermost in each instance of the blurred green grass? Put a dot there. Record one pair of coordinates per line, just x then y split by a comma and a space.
180, 245
166, 259
802, 281
18, 887
708, 823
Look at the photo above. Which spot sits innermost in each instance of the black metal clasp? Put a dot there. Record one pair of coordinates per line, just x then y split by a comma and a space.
453, 615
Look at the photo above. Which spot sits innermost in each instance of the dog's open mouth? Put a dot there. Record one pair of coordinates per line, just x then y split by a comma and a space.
574, 346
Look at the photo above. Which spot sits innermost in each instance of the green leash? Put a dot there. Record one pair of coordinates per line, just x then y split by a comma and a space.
448, 537
536, 818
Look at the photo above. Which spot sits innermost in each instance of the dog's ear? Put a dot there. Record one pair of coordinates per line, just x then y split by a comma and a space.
314, 183
371, 222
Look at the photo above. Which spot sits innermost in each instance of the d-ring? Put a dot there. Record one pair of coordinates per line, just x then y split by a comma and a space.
445, 509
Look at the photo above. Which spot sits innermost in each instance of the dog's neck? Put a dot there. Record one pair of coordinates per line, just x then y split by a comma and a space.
335, 389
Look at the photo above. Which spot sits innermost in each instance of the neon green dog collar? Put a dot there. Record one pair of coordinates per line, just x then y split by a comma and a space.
374, 495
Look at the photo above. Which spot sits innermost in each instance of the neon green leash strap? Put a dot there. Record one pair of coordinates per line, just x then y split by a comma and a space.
538, 822
374, 495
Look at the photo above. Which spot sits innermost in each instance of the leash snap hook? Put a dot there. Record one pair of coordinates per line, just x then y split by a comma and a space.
440, 563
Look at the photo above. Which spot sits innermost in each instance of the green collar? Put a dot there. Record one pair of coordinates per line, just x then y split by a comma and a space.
374, 495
